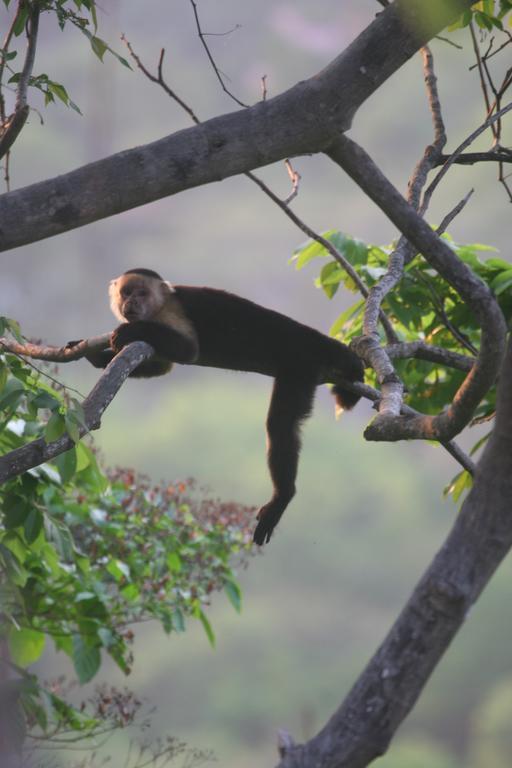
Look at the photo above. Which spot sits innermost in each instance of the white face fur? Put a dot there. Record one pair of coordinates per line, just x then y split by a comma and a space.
137, 297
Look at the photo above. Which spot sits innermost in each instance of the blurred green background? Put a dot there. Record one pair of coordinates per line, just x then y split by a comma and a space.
367, 518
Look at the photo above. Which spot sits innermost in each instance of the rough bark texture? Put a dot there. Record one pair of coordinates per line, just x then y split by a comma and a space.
363, 726
304, 119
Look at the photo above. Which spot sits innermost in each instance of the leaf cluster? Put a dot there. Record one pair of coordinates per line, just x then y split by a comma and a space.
422, 307
487, 14
84, 554
81, 14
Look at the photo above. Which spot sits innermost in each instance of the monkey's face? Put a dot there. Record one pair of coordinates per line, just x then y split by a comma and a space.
135, 297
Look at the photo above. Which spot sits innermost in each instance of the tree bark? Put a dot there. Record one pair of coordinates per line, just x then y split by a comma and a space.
304, 119
362, 728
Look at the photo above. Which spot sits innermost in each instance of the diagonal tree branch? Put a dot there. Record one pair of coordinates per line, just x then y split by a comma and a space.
357, 163
38, 451
363, 726
303, 119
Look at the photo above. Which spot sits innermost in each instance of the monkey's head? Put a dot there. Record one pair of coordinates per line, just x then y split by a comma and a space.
138, 294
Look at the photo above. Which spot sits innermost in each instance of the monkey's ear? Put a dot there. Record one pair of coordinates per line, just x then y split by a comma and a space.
169, 285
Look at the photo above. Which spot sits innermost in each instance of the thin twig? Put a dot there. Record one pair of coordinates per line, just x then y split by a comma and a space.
295, 180
495, 155
445, 223
457, 152
210, 57
264, 87
481, 73
160, 80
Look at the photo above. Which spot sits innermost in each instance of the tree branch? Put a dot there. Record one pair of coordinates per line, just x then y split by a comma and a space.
56, 354
11, 128
363, 726
355, 161
98, 343
38, 451
302, 120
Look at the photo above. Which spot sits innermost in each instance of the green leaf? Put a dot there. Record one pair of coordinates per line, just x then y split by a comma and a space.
16, 510
119, 570
234, 594
33, 525
310, 251
99, 46
66, 464
174, 562
55, 427
19, 26
348, 314
25, 645
72, 428
178, 620
83, 456
461, 482
502, 282
86, 659
207, 627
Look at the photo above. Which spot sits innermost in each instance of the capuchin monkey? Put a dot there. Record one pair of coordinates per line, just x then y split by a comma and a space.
204, 326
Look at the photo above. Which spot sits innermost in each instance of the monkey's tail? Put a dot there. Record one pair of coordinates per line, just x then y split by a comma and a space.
345, 400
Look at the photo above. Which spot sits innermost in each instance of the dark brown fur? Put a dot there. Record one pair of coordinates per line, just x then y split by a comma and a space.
204, 326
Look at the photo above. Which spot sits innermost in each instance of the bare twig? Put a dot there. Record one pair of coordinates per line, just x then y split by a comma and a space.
445, 223
210, 57
264, 87
483, 83
160, 80
458, 152
496, 155
295, 180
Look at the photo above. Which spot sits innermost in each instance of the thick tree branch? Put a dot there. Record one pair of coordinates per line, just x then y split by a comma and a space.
355, 161
386, 691
304, 119
38, 451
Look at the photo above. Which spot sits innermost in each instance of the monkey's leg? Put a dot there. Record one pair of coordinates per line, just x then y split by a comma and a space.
291, 403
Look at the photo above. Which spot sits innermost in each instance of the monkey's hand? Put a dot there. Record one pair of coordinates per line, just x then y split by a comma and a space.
268, 517
100, 358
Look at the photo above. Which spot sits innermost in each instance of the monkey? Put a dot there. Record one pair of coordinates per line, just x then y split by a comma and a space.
214, 328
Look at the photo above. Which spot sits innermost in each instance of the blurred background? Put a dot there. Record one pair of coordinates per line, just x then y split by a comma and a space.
367, 518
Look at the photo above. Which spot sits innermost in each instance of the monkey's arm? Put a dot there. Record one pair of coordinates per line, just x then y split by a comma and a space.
168, 343
100, 358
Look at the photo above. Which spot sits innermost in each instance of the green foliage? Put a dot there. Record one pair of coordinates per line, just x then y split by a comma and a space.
487, 14
84, 554
423, 306
81, 14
